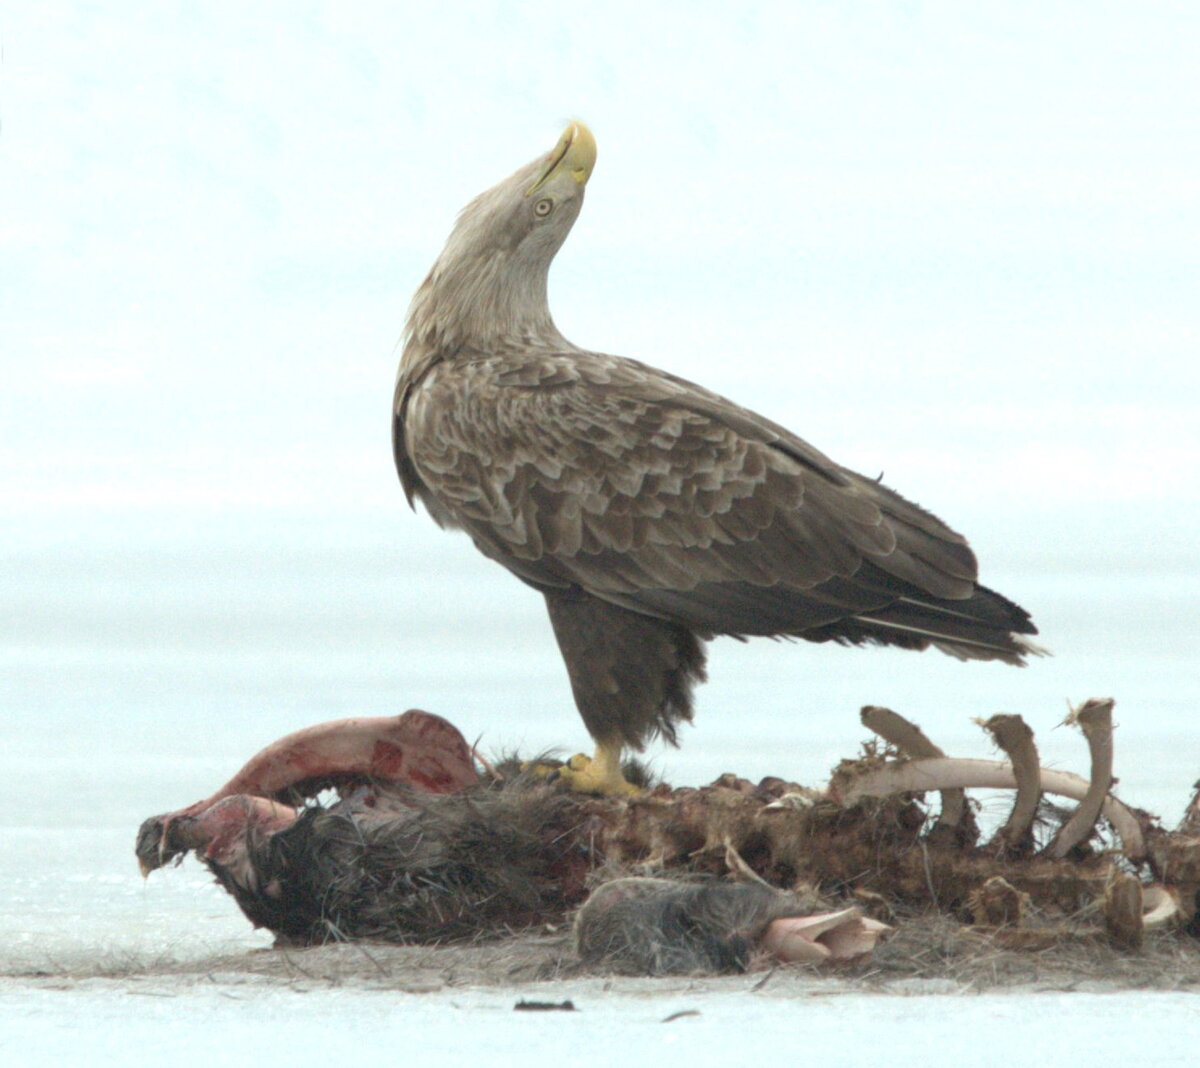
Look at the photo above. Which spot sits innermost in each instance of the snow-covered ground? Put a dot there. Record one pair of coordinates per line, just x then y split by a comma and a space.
102, 1022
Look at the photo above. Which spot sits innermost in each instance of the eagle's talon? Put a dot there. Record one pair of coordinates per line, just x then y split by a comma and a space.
597, 775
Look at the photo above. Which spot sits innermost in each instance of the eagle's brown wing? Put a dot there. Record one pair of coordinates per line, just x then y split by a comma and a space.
656, 495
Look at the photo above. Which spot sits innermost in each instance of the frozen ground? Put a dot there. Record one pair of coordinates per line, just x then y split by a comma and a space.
228, 1020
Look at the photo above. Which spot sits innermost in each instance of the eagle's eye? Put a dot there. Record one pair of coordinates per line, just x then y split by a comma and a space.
543, 207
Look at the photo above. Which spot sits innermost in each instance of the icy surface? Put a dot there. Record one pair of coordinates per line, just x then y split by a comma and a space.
101, 1023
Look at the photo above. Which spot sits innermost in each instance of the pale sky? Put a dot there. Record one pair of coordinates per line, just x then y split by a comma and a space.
956, 243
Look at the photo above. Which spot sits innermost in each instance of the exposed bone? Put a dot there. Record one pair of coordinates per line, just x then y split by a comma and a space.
217, 832
1094, 718
915, 744
740, 869
1160, 905
1022, 939
1013, 735
416, 749
940, 773
900, 732
723, 800
213, 831
795, 801
341, 870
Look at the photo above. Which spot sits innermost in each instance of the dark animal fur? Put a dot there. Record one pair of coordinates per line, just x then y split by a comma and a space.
416, 868
668, 927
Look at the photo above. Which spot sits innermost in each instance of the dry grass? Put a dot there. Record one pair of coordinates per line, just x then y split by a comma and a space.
935, 947
927, 954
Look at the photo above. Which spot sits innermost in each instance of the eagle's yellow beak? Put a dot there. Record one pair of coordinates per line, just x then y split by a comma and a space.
575, 154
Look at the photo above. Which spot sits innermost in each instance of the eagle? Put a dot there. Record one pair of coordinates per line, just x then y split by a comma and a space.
651, 514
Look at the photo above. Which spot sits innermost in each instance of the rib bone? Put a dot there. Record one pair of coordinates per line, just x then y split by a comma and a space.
1013, 735
1094, 718
915, 744
944, 773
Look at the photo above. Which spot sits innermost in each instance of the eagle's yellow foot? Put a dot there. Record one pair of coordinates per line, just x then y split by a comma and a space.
600, 774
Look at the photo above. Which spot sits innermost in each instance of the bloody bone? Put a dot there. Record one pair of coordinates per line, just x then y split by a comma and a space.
416, 749
223, 834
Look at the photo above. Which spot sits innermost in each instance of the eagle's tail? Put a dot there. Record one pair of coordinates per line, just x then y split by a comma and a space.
985, 626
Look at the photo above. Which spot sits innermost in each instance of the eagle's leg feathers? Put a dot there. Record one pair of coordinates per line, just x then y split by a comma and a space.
631, 675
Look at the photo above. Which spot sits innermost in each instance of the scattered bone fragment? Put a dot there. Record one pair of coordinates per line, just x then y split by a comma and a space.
1094, 718
1013, 735
1174, 859
1160, 907
1021, 939
739, 869
795, 801
912, 742
1129, 909
874, 904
